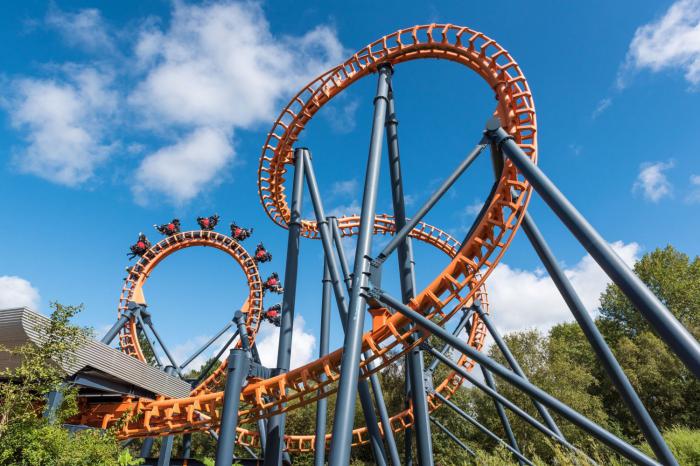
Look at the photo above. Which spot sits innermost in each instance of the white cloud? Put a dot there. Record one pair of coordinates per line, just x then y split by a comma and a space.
522, 299
17, 292
212, 69
344, 188
182, 170
303, 344
345, 209
219, 64
341, 115
673, 41
602, 106
694, 194
652, 181
62, 124
85, 29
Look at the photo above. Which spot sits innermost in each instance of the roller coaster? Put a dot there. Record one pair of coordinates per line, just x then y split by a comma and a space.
453, 307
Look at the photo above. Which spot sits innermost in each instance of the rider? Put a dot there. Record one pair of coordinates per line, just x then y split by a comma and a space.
140, 247
274, 314
169, 229
261, 254
240, 233
273, 284
208, 223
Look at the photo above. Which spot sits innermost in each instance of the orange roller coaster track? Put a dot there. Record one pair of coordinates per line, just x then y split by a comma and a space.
459, 283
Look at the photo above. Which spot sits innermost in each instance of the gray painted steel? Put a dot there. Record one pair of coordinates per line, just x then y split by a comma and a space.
414, 368
572, 415
501, 399
21, 325
676, 336
602, 350
513, 363
362, 386
436, 196
275, 426
345, 399
482, 428
322, 404
501, 413
452, 436
237, 372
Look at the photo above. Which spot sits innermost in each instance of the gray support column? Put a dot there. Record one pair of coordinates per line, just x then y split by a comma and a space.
463, 321
482, 428
322, 404
166, 443
206, 345
166, 450
513, 363
338, 240
408, 433
401, 234
528, 388
362, 386
501, 399
146, 447
601, 349
501, 413
237, 373
141, 328
452, 436
424, 445
275, 425
203, 375
352, 347
118, 325
54, 399
162, 344
676, 336
186, 446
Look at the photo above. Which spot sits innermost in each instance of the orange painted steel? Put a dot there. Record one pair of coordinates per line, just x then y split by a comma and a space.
456, 286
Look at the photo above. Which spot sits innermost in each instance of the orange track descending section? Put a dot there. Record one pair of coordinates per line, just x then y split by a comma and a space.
455, 287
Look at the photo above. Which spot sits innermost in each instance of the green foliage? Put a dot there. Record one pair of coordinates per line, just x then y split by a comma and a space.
684, 444
26, 438
675, 280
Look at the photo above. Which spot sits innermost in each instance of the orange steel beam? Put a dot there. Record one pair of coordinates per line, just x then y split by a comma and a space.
457, 285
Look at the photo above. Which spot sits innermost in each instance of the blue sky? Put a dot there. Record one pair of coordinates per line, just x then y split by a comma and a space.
117, 116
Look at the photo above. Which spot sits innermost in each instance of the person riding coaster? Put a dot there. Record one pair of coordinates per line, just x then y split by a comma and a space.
262, 254
273, 314
208, 223
240, 233
169, 229
273, 284
140, 247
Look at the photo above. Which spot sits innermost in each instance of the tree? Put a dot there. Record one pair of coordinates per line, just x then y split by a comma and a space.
28, 438
672, 277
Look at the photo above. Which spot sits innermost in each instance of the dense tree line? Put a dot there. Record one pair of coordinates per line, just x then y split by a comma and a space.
560, 361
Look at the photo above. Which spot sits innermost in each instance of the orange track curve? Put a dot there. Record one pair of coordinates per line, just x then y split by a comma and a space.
458, 283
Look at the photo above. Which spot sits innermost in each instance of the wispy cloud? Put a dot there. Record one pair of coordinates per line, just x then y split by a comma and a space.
693, 196
602, 106
85, 28
672, 41
652, 181
344, 188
